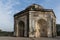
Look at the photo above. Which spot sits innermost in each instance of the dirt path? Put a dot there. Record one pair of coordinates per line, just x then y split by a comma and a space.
21, 38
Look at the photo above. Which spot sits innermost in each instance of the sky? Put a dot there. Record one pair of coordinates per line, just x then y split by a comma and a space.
10, 7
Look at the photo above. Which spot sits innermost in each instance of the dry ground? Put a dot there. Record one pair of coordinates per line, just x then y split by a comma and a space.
21, 38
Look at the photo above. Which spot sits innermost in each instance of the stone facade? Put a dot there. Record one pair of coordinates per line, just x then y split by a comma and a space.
35, 21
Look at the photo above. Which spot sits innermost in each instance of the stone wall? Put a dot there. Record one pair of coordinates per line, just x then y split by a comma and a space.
17, 20
34, 16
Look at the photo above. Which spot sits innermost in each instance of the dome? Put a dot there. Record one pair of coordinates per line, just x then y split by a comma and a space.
34, 7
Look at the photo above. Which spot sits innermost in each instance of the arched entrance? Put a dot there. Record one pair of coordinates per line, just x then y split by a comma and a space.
43, 27
21, 29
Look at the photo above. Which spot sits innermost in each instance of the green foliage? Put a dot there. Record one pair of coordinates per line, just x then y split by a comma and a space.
58, 33
3, 33
58, 29
0, 30
57, 25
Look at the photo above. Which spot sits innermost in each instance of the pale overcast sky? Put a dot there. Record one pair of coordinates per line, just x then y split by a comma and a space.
9, 7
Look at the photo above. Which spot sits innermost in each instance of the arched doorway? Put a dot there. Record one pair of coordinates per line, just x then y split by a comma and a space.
43, 27
21, 29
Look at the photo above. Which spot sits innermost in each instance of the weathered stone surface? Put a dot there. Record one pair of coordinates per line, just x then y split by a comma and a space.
35, 22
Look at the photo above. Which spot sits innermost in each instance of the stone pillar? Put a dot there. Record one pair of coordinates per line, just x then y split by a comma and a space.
25, 29
49, 34
49, 31
31, 24
17, 29
14, 27
54, 29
